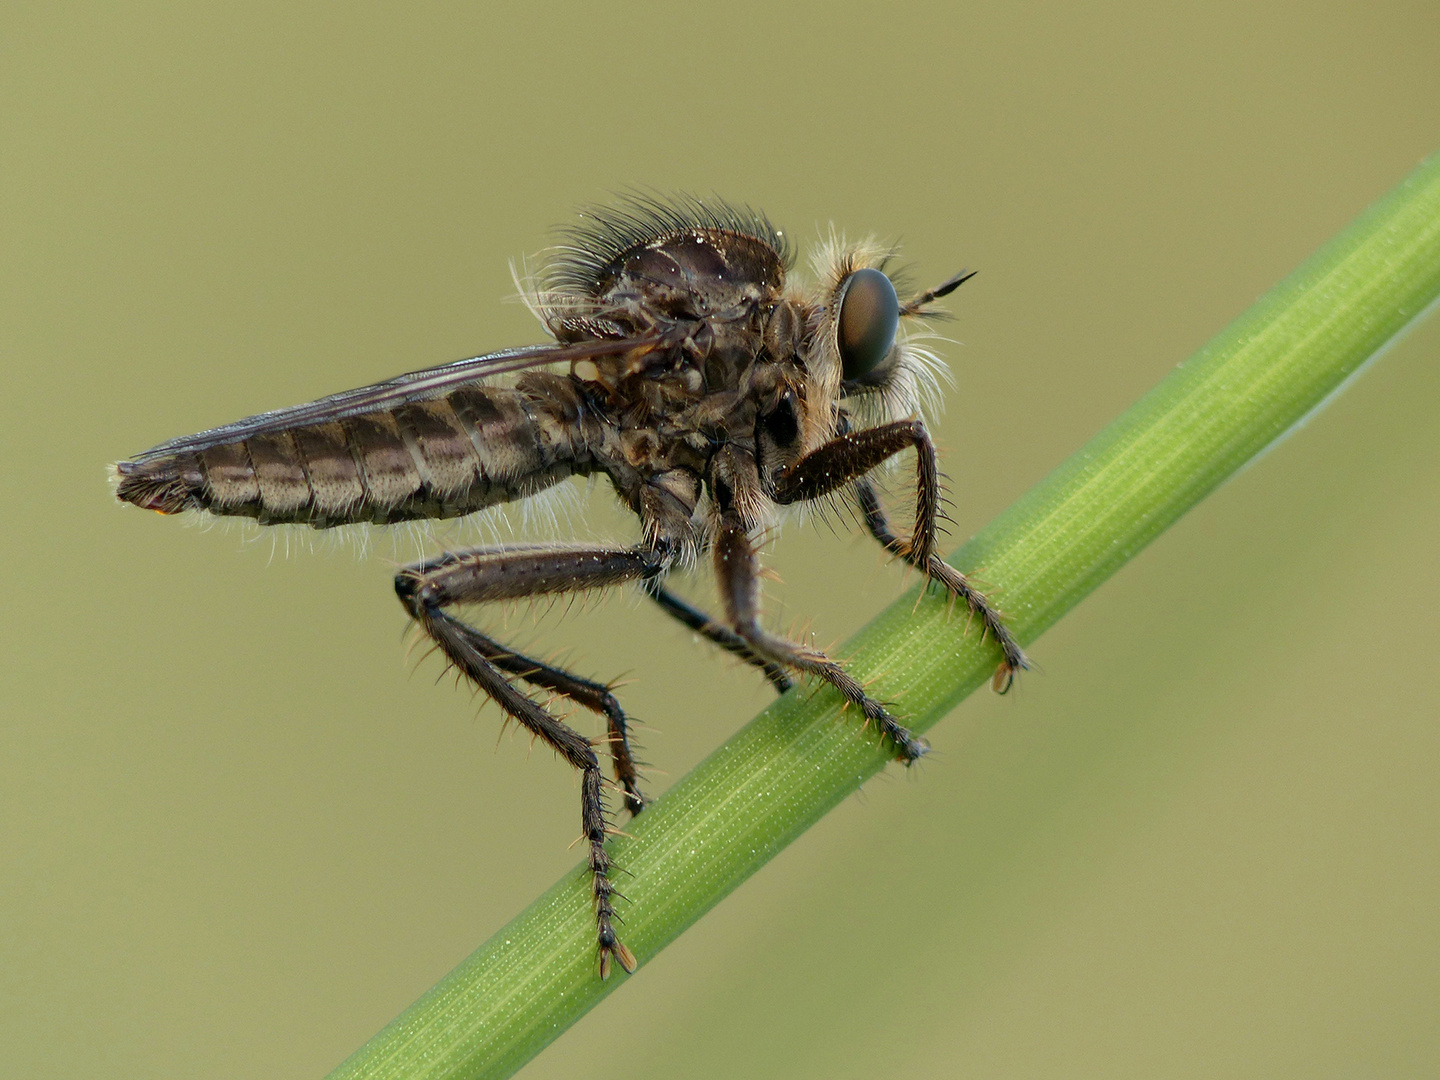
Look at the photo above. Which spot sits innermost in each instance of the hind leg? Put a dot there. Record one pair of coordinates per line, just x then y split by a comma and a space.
483, 575
587, 693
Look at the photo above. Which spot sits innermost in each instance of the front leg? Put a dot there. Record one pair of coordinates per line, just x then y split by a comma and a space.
937, 569
846, 460
427, 588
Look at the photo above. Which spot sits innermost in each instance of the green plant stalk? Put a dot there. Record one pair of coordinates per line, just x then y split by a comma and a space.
1259, 379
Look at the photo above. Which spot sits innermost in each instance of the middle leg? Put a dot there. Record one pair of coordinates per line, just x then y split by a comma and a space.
722, 636
739, 573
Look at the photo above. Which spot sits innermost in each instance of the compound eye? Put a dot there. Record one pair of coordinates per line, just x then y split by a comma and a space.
869, 316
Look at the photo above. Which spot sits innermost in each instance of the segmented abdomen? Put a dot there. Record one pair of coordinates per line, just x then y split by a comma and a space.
441, 458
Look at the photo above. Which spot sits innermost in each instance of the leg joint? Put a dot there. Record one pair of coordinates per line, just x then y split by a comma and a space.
407, 586
413, 592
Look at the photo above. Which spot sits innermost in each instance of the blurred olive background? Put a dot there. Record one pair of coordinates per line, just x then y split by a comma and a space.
241, 832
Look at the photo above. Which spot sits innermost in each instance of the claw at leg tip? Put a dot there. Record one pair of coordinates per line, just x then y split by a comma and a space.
621, 953
626, 958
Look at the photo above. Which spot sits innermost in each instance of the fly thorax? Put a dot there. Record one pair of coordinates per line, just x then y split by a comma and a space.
784, 331
691, 273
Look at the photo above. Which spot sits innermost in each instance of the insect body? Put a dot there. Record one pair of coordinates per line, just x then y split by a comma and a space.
683, 368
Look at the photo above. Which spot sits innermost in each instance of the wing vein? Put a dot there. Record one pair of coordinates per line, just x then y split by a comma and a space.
392, 393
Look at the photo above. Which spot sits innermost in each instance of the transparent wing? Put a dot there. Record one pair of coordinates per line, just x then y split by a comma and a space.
392, 393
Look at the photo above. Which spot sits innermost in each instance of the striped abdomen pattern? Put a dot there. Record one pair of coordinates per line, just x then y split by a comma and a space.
445, 457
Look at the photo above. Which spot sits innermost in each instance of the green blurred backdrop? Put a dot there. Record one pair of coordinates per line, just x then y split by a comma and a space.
238, 835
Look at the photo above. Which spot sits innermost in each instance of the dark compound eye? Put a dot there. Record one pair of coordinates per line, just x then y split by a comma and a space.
869, 315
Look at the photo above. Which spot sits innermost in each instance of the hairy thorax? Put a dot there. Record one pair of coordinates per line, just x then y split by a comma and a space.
725, 345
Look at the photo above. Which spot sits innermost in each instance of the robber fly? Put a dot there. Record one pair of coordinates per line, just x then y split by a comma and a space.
683, 368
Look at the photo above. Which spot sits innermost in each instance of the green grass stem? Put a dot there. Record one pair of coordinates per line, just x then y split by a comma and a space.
1259, 379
